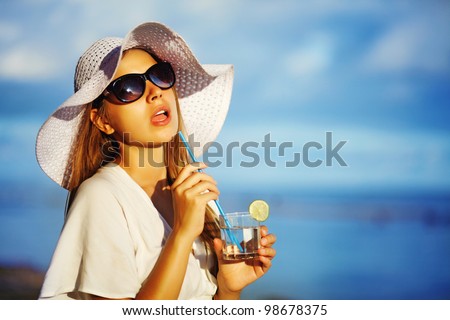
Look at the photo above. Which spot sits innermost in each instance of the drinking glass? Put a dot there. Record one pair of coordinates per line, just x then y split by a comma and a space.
240, 228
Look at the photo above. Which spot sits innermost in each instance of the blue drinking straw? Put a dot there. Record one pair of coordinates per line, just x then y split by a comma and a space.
222, 213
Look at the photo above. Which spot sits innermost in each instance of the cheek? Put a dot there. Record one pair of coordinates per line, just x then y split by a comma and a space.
125, 117
115, 121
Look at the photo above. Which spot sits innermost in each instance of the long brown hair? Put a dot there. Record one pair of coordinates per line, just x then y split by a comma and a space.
93, 148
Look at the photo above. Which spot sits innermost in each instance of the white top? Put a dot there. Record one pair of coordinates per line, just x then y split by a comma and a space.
111, 239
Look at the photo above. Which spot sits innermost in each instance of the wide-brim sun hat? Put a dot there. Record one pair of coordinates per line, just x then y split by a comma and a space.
204, 93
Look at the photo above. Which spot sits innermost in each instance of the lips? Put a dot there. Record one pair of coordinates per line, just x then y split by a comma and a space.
161, 116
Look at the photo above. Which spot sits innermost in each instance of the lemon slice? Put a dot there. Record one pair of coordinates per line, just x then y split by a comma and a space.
259, 210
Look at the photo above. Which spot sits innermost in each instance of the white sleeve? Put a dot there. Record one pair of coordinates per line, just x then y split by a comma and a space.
95, 253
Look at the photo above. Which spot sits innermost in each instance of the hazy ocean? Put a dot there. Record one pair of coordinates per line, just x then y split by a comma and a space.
329, 247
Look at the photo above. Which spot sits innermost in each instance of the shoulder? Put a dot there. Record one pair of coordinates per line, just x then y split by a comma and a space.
107, 182
101, 181
97, 196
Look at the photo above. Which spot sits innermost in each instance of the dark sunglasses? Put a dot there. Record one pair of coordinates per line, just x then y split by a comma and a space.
131, 87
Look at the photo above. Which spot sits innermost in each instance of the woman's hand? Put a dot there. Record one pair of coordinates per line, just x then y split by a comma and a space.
191, 191
233, 276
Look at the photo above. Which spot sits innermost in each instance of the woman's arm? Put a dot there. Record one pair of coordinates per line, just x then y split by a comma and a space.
191, 191
166, 278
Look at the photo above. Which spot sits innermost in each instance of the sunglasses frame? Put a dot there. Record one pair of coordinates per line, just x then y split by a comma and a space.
147, 75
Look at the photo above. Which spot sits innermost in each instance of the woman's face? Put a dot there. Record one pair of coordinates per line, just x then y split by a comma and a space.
150, 120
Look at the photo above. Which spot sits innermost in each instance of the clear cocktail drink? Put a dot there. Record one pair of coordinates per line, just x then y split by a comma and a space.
240, 229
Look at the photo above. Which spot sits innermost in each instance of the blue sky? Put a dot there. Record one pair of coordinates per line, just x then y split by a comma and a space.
374, 73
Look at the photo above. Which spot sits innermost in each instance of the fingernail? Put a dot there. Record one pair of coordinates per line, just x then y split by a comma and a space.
263, 241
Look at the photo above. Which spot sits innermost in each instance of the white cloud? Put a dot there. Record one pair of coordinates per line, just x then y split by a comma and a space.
420, 43
36, 2
310, 10
53, 47
299, 75
311, 58
27, 61
208, 9
9, 31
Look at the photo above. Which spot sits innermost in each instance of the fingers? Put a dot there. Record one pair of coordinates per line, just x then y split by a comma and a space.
207, 197
195, 178
186, 172
202, 187
198, 184
267, 239
264, 231
266, 263
267, 252
192, 182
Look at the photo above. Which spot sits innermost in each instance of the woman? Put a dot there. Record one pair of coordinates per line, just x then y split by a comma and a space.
141, 221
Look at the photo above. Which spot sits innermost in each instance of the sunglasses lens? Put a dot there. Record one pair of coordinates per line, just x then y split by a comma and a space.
162, 75
129, 88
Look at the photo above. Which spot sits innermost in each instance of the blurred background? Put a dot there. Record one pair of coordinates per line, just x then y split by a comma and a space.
376, 74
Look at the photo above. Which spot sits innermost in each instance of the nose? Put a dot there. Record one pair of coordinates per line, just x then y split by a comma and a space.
154, 92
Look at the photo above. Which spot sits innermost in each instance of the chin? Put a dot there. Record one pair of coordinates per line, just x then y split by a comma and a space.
165, 135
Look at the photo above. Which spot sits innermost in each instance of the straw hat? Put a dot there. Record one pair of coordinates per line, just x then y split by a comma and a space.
204, 93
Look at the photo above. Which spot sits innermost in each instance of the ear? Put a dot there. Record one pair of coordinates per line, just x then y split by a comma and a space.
101, 123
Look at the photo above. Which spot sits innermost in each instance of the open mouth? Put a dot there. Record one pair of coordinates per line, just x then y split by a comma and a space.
161, 117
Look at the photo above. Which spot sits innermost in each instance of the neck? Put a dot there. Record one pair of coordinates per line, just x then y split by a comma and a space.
144, 165
147, 168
